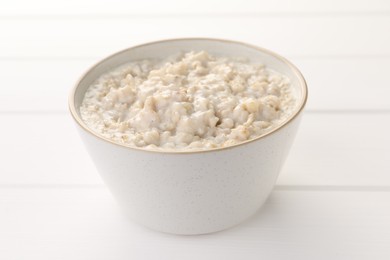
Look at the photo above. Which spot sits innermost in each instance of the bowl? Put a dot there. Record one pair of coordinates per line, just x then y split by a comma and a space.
191, 192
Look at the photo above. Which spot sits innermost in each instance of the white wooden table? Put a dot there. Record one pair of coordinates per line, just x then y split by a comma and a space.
332, 200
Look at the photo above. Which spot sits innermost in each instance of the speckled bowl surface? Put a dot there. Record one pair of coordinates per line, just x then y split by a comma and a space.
191, 192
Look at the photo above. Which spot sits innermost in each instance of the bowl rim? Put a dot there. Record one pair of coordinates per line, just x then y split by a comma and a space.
294, 69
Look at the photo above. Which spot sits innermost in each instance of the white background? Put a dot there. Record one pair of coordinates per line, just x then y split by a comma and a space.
332, 200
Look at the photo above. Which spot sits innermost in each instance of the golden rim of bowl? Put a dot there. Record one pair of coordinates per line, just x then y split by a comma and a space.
294, 69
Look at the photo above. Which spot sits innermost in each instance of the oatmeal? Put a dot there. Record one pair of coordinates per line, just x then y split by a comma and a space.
191, 101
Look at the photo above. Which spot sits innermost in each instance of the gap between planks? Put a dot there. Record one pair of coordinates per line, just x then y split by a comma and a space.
330, 188
185, 15
293, 58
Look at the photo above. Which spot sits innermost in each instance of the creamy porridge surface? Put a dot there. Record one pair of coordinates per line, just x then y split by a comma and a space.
190, 101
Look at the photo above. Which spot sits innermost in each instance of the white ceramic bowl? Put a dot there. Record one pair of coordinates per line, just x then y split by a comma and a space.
192, 192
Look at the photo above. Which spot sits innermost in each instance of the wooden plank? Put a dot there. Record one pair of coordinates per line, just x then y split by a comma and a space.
43, 149
347, 84
340, 149
39, 85
331, 149
46, 7
364, 35
86, 224
334, 84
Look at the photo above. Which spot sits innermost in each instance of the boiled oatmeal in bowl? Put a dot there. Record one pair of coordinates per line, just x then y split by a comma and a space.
189, 135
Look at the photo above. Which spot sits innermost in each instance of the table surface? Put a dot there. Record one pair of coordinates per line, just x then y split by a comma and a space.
332, 200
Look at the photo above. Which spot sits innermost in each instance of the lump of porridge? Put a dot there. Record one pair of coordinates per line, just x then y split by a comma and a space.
193, 100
